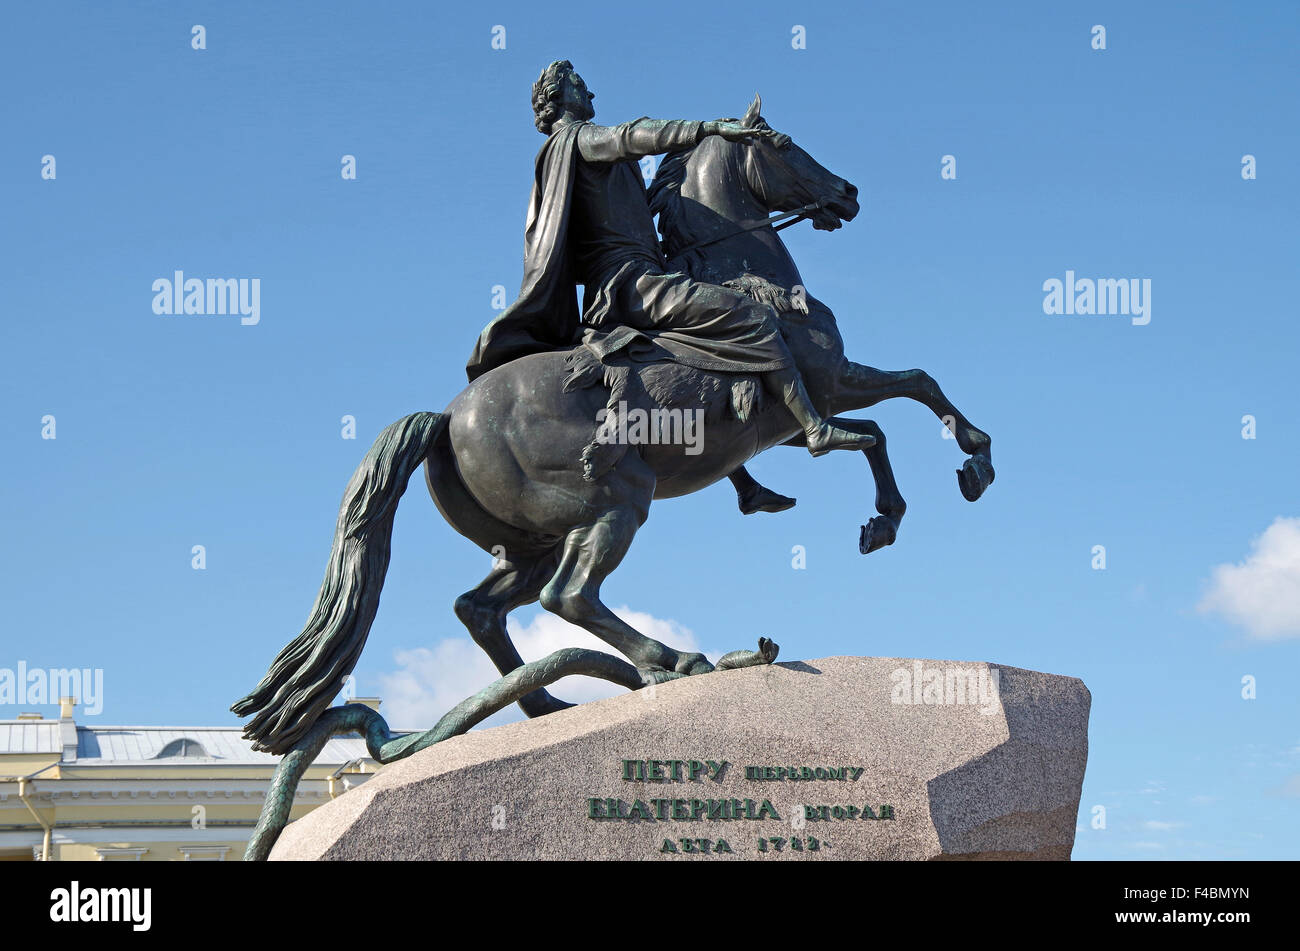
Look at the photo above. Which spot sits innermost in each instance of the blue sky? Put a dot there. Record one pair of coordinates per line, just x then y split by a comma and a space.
1119, 163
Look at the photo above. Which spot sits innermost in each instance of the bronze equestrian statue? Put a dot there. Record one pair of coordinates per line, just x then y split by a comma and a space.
714, 320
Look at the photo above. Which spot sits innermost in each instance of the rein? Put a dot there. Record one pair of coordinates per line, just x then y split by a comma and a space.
794, 218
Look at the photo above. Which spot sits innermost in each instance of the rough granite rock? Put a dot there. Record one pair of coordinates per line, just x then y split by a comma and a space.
977, 761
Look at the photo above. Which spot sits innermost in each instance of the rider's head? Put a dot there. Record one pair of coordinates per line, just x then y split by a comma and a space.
560, 90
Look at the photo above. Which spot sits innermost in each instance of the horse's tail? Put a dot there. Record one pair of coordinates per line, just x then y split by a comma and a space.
306, 675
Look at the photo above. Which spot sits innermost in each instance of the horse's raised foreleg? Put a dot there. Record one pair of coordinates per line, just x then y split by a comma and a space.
860, 386
591, 552
883, 529
483, 611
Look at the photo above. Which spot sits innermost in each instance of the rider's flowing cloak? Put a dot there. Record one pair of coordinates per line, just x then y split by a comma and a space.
545, 316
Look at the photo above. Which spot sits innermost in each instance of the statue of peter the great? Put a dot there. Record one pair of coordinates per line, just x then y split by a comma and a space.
589, 223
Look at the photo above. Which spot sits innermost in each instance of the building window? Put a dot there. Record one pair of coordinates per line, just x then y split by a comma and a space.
184, 747
204, 853
120, 855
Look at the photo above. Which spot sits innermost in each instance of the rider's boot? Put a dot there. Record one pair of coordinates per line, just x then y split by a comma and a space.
753, 497
821, 436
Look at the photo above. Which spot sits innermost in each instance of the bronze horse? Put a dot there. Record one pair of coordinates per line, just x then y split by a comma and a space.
504, 462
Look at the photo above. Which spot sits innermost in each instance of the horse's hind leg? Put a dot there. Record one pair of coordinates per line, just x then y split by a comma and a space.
483, 611
591, 552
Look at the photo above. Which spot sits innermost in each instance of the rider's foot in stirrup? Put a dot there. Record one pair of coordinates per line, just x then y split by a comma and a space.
826, 438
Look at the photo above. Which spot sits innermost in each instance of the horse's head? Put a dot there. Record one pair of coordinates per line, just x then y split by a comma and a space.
703, 194
784, 177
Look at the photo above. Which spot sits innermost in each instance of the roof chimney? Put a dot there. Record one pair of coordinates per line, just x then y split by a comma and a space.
68, 728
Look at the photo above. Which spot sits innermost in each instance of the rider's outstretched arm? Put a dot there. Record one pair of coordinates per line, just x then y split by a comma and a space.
632, 141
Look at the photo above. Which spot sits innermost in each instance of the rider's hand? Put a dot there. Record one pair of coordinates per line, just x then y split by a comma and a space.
735, 131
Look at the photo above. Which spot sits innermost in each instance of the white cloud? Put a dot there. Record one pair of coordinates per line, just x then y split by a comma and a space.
1262, 594
430, 681
1157, 826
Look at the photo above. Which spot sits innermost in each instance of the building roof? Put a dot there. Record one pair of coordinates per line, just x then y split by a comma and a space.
160, 745
30, 736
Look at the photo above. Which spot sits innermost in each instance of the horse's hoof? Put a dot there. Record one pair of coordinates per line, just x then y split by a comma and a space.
658, 675
766, 654
975, 475
876, 534
540, 702
690, 664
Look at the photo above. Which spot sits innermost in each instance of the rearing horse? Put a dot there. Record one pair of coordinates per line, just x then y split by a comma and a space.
504, 462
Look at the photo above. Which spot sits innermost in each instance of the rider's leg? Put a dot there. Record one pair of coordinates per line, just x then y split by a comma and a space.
753, 497
787, 385
736, 328
822, 437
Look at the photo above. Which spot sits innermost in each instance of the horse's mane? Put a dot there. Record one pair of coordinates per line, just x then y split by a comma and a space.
665, 194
